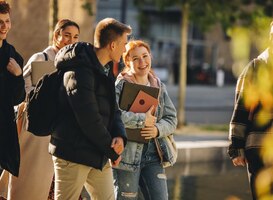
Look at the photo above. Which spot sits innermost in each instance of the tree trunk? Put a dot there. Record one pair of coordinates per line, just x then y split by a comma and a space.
53, 18
183, 65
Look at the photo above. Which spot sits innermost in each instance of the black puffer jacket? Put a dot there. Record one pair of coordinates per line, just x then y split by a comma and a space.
12, 92
89, 118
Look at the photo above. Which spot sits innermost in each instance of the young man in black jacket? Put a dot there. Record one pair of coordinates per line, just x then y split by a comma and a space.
89, 132
12, 92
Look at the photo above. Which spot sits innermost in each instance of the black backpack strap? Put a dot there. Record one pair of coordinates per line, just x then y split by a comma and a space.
46, 57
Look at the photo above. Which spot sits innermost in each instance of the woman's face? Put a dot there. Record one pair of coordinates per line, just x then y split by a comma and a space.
140, 61
69, 35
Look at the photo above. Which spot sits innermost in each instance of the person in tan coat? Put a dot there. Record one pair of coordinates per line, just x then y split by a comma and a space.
36, 170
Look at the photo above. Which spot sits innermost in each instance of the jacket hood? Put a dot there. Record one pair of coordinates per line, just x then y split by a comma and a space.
79, 54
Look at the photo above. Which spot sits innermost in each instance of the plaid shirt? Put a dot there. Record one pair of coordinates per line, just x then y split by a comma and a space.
251, 119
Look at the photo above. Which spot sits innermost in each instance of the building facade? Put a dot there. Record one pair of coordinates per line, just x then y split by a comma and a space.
30, 31
206, 51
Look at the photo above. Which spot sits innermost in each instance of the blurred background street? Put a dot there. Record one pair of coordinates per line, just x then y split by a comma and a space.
206, 104
203, 170
200, 45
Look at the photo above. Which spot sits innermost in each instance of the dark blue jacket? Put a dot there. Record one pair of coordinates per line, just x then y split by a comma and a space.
12, 92
89, 118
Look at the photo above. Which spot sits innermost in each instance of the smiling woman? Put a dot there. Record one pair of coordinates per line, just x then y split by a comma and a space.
137, 59
66, 35
142, 163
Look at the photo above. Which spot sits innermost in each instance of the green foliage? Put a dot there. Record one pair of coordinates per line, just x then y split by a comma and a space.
55, 11
88, 7
205, 13
215, 127
261, 2
144, 23
268, 10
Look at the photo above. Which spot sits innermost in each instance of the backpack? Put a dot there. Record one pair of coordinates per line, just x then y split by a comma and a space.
42, 104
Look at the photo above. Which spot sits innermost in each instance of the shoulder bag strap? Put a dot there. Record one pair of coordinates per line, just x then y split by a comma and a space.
159, 150
46, 57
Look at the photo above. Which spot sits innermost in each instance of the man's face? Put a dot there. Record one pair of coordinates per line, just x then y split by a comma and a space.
5, 25
118, 48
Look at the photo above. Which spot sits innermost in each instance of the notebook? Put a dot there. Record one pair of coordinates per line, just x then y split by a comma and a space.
40, 68
131, 93
143, 102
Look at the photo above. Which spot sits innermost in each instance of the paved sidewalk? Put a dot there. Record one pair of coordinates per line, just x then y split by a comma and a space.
203, 170
197, 145
205, 105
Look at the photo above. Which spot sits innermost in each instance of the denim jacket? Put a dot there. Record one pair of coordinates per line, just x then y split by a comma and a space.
166, 125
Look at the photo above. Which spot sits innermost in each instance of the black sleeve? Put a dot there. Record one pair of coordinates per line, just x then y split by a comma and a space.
81, 97
18, 81
118, 129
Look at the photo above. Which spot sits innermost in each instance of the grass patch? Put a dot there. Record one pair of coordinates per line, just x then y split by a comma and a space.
215, 127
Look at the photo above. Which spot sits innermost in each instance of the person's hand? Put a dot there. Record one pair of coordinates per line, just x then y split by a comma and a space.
239, 161
149, 132
14, 68
116, 162
117, 145
150, 120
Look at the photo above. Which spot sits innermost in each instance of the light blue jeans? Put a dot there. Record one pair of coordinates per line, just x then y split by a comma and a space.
150, 178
